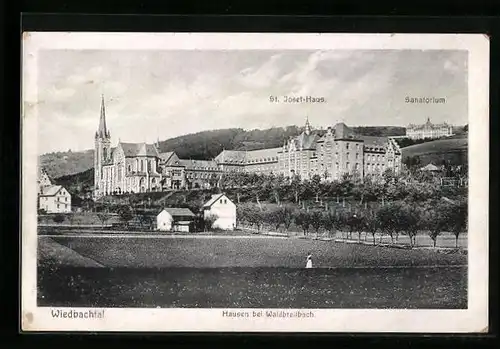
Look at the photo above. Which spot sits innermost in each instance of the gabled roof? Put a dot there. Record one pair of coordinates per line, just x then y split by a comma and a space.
179, 211
166, 156
430, 167
138, 149
50, 190
214, 199
306, 141
341, 131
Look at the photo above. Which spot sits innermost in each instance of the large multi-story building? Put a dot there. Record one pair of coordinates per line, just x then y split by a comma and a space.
140, 167
429, 130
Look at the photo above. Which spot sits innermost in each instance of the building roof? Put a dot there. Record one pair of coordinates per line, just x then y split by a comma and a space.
213, 199
231, 157
179, 211
262, 155
139, 149
166, 156
194, 164
341, 131
430, 167
306, 141
427, 125
374, 142
50, 190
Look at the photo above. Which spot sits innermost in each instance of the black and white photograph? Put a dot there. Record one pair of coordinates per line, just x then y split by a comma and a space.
255, 182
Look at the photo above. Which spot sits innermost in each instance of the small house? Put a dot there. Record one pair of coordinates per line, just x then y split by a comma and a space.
54, 199
175, 219
224, 211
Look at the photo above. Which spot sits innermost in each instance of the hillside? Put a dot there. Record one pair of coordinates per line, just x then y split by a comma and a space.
453, 150
201, 145
66, 163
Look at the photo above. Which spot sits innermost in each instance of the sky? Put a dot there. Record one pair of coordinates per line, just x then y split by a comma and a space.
152, 95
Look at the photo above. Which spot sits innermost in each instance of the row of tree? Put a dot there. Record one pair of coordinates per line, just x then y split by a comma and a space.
387, 186
391, 219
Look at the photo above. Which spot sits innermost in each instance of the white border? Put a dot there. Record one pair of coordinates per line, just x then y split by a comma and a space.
474, 319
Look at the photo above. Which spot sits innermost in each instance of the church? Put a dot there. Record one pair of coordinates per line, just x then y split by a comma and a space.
330, 153
129, 167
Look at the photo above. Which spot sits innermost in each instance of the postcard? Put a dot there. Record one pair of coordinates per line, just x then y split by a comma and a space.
256, 182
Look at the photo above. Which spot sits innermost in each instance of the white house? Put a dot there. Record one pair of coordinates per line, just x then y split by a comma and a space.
174, 219
54, 199
224, 209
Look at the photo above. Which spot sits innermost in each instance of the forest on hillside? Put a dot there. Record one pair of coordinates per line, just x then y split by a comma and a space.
202, 145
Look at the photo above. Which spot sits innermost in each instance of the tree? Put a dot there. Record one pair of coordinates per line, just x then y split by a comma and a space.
372, 223
456, 218
316, 220
329, 222
435, 222
125, 214
303, 220
409, 219
209, 221
58, 218
287, 214
273, 217
145, 220
104, 217
387, 216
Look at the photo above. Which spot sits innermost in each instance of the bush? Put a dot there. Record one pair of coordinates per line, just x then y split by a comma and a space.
58, 218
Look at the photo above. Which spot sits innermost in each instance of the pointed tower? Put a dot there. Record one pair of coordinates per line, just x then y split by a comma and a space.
308, 127
102, 153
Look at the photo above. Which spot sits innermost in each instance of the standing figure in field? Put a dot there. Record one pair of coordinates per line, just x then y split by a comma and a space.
309, 263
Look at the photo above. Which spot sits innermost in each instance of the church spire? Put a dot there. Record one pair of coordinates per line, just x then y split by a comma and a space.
308, 126
102, 132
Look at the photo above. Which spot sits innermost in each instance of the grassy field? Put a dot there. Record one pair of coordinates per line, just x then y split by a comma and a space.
454, 150
244, 272
254, 287
221, 252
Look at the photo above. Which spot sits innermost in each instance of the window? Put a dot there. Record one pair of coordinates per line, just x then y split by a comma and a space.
357, 156
347, 145
225, 201
347, 165
129, 168
66, 199
57, 205
221, 201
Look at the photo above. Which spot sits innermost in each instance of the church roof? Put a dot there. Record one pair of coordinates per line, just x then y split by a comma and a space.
139, 149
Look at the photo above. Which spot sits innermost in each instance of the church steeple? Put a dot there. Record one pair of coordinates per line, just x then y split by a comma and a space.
308, 126
102, 132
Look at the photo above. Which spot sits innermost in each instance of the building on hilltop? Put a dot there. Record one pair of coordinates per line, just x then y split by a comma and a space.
429, 130
140, 167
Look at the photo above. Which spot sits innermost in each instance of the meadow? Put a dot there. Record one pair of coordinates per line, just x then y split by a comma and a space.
244, 272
